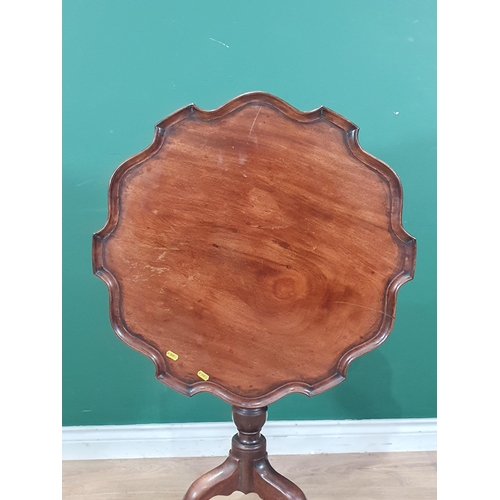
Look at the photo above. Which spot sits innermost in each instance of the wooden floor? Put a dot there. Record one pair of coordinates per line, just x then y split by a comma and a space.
367, 476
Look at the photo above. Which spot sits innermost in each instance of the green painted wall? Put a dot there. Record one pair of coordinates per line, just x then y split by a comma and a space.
128, 64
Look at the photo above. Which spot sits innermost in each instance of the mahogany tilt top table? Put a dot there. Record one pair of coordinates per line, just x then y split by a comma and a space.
251, 252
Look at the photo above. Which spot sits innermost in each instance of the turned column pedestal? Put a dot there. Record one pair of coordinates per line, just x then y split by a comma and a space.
247, 468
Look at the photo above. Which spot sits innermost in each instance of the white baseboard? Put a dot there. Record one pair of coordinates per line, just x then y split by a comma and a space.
213, 439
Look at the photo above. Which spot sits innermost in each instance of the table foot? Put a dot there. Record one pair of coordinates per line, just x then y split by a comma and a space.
269, 484
223, 480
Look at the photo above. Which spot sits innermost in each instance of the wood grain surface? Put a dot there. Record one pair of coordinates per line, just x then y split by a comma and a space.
254, 250
368, 476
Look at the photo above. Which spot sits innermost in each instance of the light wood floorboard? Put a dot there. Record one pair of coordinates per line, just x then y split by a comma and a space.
363, 476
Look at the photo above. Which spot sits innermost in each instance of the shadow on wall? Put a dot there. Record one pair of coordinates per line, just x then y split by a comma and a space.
367, 388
